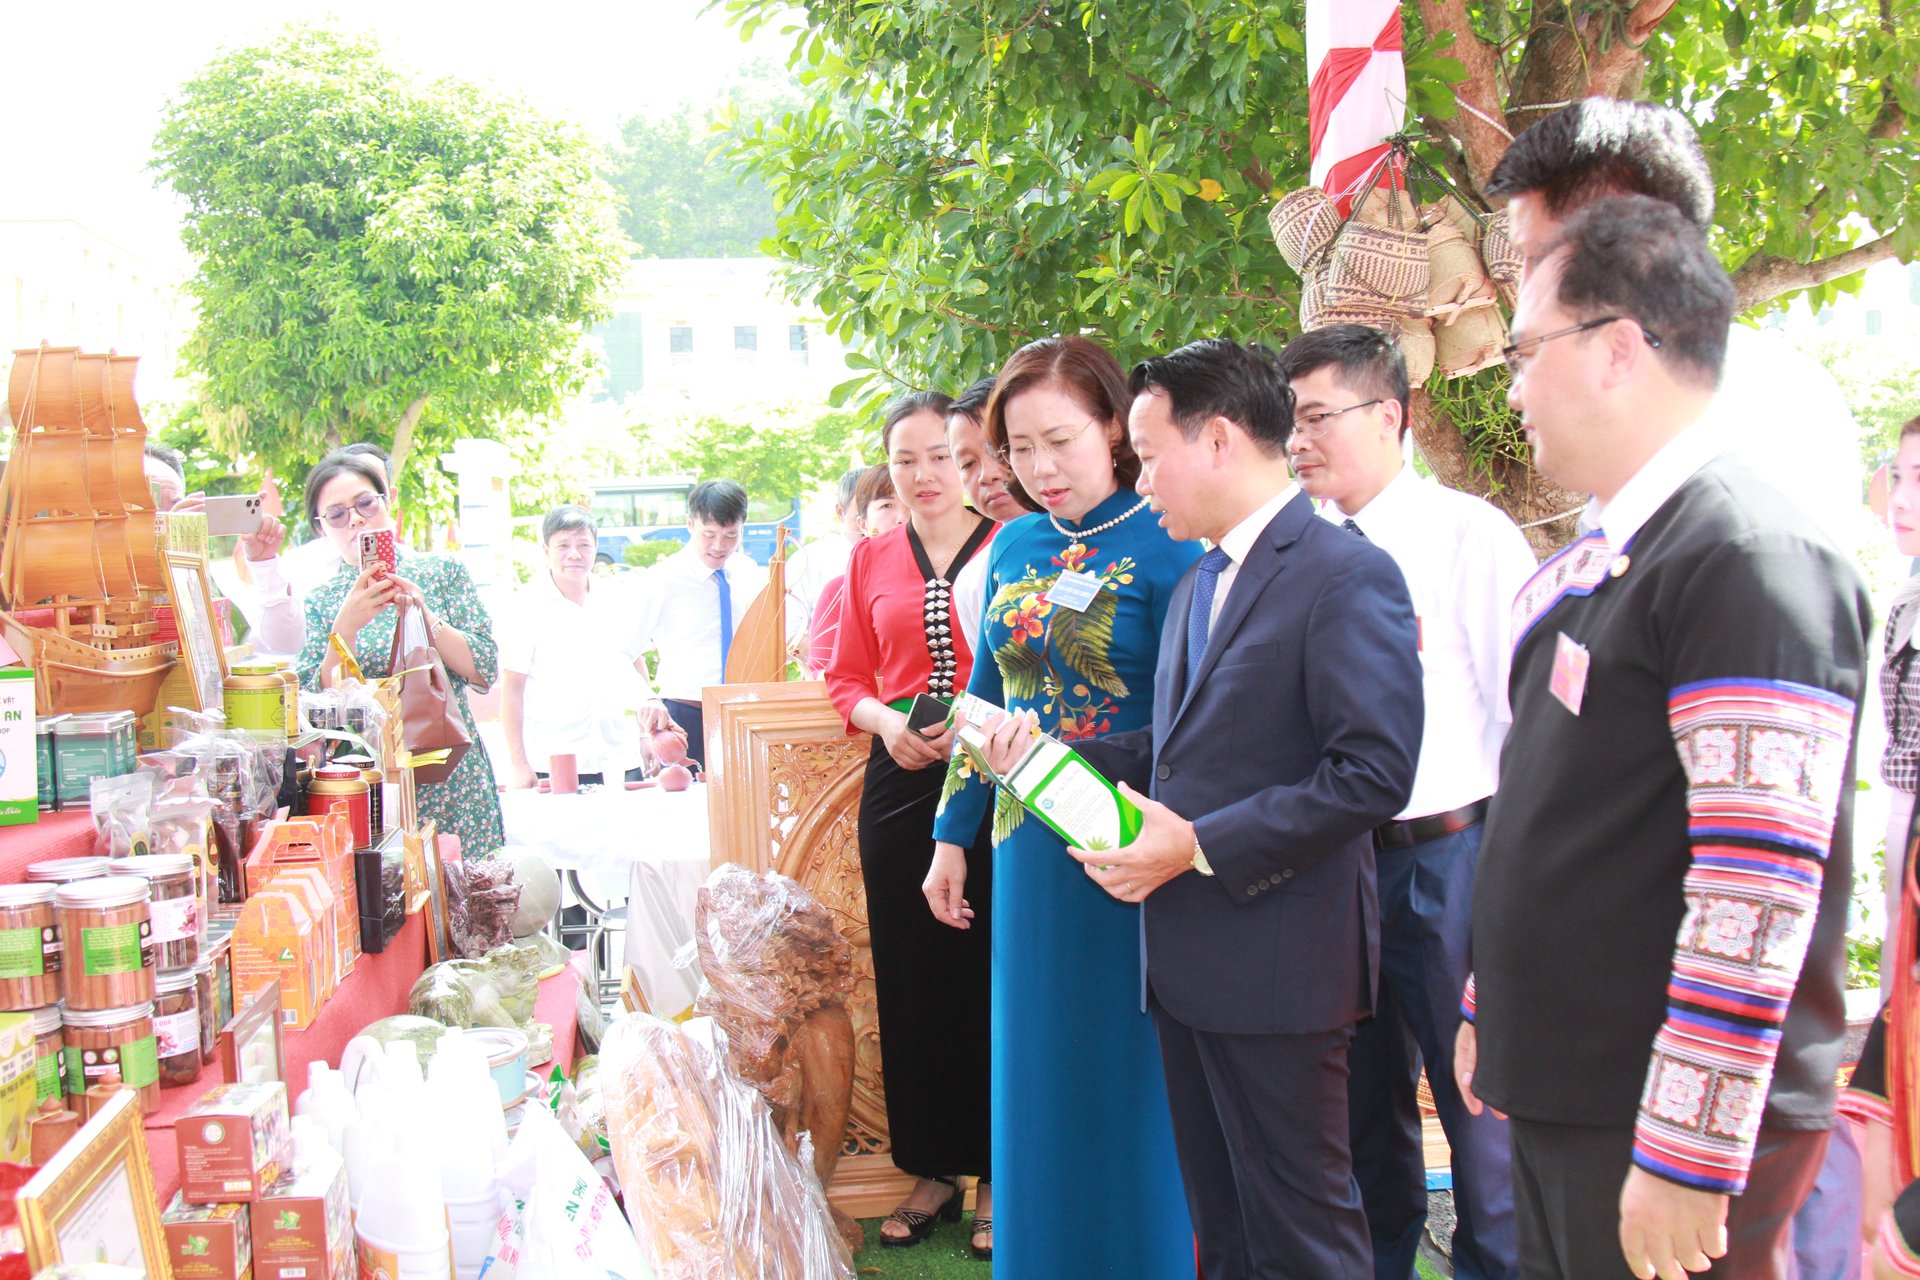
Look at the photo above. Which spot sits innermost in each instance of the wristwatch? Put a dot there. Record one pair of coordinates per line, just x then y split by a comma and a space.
1200, 862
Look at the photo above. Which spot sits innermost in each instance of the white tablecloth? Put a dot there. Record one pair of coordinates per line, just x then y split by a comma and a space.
649, 846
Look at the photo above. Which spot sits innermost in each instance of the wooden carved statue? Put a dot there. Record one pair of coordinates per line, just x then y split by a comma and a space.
777, 977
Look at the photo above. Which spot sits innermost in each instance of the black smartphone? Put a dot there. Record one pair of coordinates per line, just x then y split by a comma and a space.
928, 715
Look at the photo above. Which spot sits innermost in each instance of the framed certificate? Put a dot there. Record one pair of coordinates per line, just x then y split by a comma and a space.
95, 1201
200, 650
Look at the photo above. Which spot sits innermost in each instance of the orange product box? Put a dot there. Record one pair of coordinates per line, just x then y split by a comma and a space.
233, 1143
311, 884
208, 1241
325, 842
274, 939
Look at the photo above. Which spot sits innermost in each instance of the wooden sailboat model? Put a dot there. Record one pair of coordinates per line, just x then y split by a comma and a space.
79, 548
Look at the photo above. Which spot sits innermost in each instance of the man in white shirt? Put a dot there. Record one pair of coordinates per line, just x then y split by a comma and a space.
688, 606
813, 566
571, 683
1464, 561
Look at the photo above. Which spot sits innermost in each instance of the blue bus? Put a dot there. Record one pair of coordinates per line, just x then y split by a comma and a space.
635, 509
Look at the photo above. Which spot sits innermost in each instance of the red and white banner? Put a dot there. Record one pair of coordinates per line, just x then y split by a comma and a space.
1358, 92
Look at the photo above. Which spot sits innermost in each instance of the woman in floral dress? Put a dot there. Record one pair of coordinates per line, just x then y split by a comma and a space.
347, 493
1084, 1164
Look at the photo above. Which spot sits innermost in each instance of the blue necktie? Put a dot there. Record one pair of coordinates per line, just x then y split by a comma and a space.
726, 619
1200, 616
1353, 528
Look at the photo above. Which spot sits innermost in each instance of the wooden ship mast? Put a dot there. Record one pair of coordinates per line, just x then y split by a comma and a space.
80, 560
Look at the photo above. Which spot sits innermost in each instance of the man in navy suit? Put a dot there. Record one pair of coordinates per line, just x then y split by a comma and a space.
1287, 721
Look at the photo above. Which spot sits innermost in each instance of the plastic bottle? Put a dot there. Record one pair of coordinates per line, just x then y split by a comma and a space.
363, 1145
401, 1230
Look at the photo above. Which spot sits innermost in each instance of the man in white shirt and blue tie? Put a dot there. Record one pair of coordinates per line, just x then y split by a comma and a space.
689, 604
1464, 561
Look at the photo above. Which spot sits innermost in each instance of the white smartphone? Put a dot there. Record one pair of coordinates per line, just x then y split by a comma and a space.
237, 514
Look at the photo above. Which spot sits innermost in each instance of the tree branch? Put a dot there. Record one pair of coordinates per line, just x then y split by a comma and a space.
1481, 126
403, 434
1616, 70
1763, 277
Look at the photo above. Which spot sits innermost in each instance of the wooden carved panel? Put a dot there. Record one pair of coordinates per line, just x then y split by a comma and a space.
783, 794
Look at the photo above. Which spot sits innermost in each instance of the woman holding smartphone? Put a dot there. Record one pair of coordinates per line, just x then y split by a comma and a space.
346, 496
1076, 596
899, 641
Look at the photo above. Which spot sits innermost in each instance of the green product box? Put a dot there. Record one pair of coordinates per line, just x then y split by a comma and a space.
19, 749
1058, 787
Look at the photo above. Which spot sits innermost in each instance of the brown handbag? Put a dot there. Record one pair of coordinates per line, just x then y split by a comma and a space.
429, 718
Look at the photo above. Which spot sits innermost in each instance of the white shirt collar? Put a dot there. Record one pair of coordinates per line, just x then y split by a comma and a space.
1387, 505
1238, 541
544, 584
1656, 481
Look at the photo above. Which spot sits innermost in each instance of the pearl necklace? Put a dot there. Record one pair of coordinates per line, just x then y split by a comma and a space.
1084, 534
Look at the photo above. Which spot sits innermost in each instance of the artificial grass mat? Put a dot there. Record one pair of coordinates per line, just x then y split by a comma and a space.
942, 1256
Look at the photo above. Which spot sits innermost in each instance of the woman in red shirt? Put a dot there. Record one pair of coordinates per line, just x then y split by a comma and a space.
877, 508
898, 638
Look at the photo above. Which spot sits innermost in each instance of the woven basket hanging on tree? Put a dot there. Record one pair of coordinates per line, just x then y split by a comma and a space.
1373, 269
1435, 276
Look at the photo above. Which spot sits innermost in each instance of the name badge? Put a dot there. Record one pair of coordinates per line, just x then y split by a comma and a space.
1569, 683
1074, 591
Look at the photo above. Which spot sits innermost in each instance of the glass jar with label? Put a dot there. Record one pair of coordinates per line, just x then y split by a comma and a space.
29, 947
49, 1042
107, 930
174, 906
176, 1027
122, 1040
254, 697
66, 870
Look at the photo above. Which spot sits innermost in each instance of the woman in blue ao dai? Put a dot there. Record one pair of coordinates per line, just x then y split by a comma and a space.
1086, 1177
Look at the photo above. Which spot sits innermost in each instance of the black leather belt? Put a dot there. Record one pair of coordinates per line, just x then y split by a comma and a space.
1404, 835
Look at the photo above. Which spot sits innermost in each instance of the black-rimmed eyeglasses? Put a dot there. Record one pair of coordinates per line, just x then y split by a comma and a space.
1518, 353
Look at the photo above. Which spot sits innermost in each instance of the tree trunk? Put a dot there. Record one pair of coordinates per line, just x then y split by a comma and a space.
1546, 512
403, 436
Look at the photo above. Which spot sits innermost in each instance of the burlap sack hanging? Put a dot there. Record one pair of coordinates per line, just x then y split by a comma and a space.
1468, 330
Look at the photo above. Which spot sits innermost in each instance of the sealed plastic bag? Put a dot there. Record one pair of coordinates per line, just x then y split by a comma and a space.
482, 897
770, 956
561, 1222
497, 990
712, 1191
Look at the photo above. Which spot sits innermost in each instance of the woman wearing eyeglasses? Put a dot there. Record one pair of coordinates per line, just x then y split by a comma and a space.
1085, 1171
346, 494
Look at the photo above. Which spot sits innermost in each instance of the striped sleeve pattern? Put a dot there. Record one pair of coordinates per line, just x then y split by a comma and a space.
1763, 761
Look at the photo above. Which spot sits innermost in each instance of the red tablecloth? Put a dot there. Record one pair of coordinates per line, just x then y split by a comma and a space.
377, 988
56, 835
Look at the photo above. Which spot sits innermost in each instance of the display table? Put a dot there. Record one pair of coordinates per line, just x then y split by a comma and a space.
650, 845
377, 988
56, 835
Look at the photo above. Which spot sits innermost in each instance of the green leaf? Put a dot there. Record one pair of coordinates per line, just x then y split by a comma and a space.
1085, 643
1733, 25
1020, 666
1008, 813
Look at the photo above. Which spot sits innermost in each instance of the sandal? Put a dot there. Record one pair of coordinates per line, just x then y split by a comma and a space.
919, 1224
982, 1227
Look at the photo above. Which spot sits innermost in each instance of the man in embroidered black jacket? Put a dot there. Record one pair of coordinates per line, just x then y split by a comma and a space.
1662, 895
